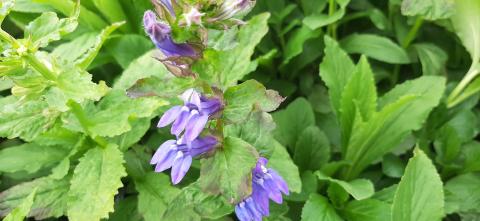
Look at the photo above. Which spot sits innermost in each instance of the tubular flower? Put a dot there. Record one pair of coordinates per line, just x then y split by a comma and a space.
231, 8
192, 116
266, 184
160, 34
178, 155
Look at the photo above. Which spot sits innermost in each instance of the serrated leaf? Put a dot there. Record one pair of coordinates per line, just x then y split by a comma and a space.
50, 200
312, 149
462, 193
94, 184
317, 208
288, 130
155, 193
281, 162
22, 210
193, 204
419, 195
225, 68
376, 47
428, 9
229, 170
30, 157
247, 97
359, 189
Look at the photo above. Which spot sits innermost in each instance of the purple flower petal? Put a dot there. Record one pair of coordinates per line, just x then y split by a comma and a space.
180, 167
273, 192
169, 116
241, 212
279, 181
181, 121
202, 145
252, 209
168, 5
195, 127
162, 151
166, 162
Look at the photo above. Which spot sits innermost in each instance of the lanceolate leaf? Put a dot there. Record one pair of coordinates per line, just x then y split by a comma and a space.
419, 196
317, 20
229, 170
360, 188
376, 47
95, 183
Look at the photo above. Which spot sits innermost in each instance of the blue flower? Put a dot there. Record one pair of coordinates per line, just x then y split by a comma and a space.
160, 34
192, 116
266, 184
178, 155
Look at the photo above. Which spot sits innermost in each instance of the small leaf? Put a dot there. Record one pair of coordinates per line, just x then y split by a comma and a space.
312, 150
376, 47
229, 170
360, 188
428, 9
419, 196
317, 208
296, 42
22, 210
318, 20
94, 184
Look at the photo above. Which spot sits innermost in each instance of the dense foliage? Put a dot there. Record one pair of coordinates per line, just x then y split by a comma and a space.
322, 110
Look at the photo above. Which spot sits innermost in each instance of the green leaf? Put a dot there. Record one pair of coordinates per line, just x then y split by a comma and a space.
312, 150
155, 193
48, 27
403, 110
447, 145
193, 204
317, 208
112, 116
309, 186
5, 7
359, 189
139, 126
22, 210
368, 209
471, 153
359, 99
25, 119
281, 162
50, 200
466, 22
428, 9
30, 157
462, 193
225, 68
126, 210
336, 70
393, 166
94, 183
318, 20
419, 196
296, 42
433, 58
376, 47
288, 130
247, 97
129, 47
111, 9
229, 170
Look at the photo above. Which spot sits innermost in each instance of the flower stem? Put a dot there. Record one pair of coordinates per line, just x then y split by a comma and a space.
413, 32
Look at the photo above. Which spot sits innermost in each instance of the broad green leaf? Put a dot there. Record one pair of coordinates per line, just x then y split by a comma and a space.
129, 47
193, 204
359, 189
447, 145
48, 27
470, 152
462, 193
359, 99
112, 116
111, 9
312, 149
246, 97
30, 157
376, 47
393, 166
155, 193
281, 162
318, 20
433, 58
228, 171
50, 199
256, 130
368, 209
317, 208
26, 120
22, 210
386, 194
288, 130
419, 195
309, 186
403, 110
225, 68
336, 69
466, 22
295, 44
94, 183
5, 7
428, 9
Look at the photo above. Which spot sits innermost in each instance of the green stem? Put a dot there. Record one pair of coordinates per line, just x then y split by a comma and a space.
413, 32
77, 110
331, 29
40, 67
471, 74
